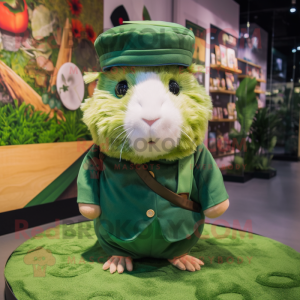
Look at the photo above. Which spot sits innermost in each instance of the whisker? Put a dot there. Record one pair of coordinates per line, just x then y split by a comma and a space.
118, 127
124, 144
116, 138
188, 137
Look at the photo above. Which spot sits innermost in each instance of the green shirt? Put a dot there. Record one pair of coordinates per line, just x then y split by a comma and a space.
125, 199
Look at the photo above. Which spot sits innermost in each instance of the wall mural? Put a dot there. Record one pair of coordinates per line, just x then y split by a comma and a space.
45, 47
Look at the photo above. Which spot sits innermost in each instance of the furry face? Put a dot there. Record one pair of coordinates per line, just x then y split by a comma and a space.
149, 121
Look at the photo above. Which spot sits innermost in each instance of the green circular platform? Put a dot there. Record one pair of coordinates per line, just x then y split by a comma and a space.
66, 263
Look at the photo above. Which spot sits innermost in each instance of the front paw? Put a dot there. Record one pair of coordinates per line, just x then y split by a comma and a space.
118, 263
90, 211
187, 262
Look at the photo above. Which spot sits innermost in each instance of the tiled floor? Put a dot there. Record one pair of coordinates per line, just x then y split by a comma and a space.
270, 207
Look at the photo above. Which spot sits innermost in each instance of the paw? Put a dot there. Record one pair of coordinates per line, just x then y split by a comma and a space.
118, 263
187, 262
90, 211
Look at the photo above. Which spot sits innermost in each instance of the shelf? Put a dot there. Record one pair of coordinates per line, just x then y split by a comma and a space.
249, 63
223, 155
259, 92
225, 69
223, 120
222, 92
246, 76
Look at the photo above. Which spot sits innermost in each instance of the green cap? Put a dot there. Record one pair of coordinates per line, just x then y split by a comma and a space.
145, 43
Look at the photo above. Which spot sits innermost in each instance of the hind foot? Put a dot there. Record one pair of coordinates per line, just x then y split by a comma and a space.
118, 263
187, 262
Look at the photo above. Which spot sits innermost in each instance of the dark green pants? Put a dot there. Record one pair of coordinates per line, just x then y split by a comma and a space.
150, 243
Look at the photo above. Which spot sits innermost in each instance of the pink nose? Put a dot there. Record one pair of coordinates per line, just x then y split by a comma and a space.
150, 122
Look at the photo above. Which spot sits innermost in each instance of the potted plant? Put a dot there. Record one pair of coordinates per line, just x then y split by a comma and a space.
260, 144
13, 22
246, 107
256, 134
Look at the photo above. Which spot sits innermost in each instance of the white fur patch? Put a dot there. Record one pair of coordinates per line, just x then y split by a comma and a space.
151, 100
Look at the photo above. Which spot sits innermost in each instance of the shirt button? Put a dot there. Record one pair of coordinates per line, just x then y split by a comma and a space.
152, 174
150, 213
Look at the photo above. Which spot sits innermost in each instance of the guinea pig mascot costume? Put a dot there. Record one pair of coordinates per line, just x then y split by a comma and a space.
148, 181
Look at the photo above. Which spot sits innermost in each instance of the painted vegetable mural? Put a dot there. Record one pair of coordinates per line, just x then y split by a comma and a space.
39, 39
45, 47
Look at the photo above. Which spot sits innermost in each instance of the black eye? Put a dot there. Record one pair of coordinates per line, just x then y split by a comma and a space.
121, 89
174, 87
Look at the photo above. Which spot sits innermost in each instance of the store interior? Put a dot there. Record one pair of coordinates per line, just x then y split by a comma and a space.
248, 58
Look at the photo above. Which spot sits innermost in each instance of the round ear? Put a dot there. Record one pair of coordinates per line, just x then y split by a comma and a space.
194, 68
91, 76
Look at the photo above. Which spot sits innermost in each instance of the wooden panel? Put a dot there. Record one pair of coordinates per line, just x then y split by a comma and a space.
26, 170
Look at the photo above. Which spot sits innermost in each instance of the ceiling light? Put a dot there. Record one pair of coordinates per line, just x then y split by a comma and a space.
298, 48
293, 7
246, 35
294, 50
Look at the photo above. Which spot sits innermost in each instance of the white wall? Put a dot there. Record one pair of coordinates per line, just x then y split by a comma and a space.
221, 13
225, 12
159, 10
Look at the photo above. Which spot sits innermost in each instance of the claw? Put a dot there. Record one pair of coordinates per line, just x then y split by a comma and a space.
118, 263
187, 262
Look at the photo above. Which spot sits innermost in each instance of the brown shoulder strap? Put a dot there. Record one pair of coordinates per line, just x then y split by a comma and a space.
165, 193
154, 185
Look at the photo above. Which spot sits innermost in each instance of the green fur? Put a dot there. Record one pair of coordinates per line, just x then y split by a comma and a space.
104, 112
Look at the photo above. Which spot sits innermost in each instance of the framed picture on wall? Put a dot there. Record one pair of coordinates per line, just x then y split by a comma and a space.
223, 51
200, 48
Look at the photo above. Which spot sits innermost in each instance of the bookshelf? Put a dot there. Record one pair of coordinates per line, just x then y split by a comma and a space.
219, 91
249, 63
224, 154
225, 69
246, 76
222, 120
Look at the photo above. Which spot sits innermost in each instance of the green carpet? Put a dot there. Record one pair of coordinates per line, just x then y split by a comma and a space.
67, 264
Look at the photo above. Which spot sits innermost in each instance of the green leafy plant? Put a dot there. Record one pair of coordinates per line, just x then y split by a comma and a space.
261, 140
246, 106
257, 130
21, 124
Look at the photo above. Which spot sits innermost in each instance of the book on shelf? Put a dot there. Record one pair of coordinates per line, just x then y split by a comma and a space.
225, 113
220, 113
212, 146
231, 110
213, 59
223, 51
230, 81
230, 58
218, 55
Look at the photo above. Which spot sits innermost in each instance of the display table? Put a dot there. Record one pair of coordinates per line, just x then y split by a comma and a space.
66, 263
